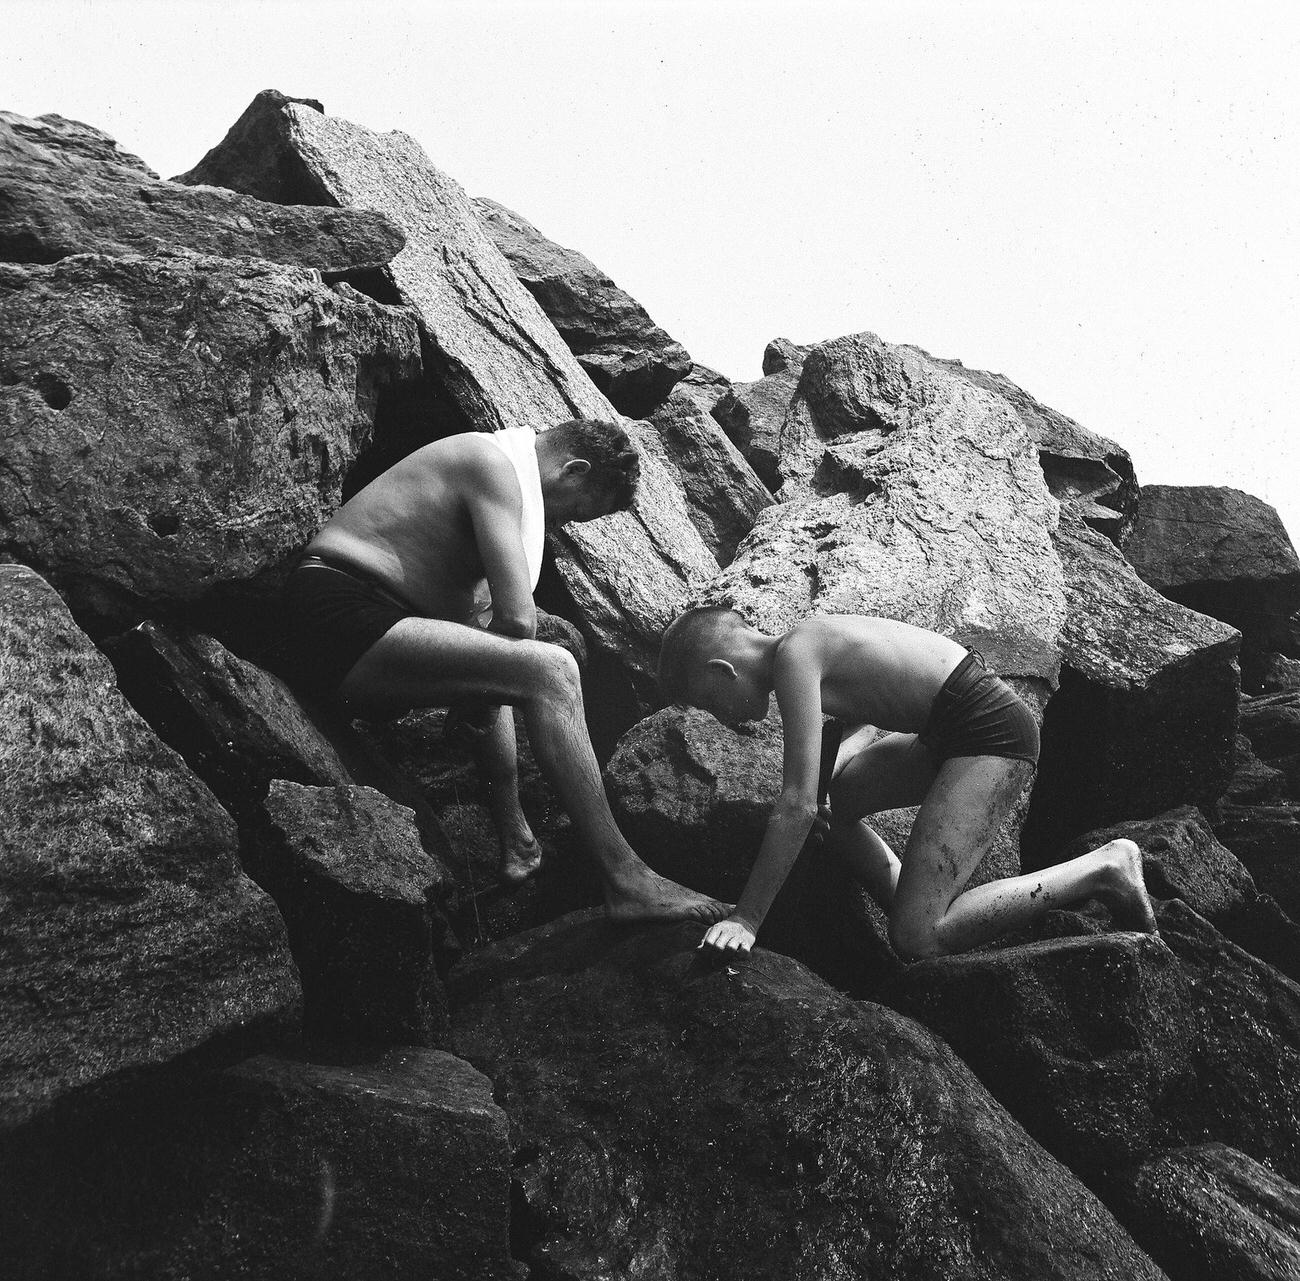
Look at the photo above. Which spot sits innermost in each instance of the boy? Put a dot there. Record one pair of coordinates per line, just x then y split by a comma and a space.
958, 742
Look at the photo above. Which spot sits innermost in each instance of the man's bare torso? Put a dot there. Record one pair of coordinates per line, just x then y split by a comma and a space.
876, 671
411, 527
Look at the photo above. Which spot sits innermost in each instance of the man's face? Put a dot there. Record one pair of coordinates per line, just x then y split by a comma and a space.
575, 497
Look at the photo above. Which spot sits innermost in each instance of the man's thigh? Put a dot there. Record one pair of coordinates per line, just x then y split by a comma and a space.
431, 662
892, 771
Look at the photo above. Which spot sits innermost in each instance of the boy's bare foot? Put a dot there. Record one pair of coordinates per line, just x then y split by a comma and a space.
521, 856
1125, 893
651, 897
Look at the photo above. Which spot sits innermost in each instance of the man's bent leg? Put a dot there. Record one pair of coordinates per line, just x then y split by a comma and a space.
423, 662
496, 759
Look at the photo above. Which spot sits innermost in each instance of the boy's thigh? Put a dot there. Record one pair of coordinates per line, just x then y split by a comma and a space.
893, 771
958, 820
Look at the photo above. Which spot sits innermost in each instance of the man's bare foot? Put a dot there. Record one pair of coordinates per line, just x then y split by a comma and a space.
1125, 893
651, 897
521, 856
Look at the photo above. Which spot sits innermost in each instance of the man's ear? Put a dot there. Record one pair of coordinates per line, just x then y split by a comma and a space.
721, 665
576, 467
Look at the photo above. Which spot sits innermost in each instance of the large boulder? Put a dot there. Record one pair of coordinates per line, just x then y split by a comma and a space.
631, 360
334, 1164
1266, 838
1145, 717
723, 495
705, 386
173, 426
672, 1119
55, 201
753, 414
132, 935
1209, 1211
489, 343
1227, 554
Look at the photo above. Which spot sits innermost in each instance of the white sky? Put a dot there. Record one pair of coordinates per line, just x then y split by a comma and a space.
1098, 200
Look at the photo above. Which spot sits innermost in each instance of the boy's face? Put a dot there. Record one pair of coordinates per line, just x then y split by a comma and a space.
729, 693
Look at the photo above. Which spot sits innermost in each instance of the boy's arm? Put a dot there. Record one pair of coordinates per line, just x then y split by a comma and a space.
797, 678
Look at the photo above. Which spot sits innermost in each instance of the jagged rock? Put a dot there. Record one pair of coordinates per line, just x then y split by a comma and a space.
393, 1164
750, 1122
1226, 554
173, 426
1253, 782
56, 201
941, 519
723, 496
70, 141
753, 414
1266, 838
1279, 674
1145, 717
360, 897
131, 934
1272, 723
1210, 1212
1180, 859
1107, 1048
489, 343
705, 386
625, 353
1262, 928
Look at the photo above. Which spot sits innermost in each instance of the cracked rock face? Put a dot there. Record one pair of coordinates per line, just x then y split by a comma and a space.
172, 425
132, 935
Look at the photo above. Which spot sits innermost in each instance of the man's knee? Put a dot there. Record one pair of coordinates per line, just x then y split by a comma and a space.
916, 938
557, 673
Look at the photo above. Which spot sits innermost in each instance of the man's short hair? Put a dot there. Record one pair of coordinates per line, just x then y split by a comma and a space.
615, 463
689, 640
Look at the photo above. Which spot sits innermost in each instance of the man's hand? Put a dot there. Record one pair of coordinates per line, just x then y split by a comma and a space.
730, 935
821, 825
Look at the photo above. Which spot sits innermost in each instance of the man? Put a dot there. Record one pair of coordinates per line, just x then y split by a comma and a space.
418, 593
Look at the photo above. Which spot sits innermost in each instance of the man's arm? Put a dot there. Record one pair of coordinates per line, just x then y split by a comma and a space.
798, 694
495, 506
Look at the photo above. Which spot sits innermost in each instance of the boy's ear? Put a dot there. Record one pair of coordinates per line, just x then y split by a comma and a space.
721, 665
576, 467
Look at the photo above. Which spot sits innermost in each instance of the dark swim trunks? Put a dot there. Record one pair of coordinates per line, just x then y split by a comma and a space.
334, 613
976, 714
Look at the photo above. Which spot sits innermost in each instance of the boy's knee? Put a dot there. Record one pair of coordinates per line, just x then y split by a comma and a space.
916, 940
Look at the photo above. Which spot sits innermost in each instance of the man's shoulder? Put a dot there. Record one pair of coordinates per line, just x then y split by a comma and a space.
469, 456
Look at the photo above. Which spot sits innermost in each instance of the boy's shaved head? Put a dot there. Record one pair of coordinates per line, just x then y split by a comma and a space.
690, 641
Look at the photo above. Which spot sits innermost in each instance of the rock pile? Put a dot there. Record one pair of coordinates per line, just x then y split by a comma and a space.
264, 1010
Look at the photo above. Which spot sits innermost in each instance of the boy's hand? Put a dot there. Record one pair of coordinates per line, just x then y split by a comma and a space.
729, 936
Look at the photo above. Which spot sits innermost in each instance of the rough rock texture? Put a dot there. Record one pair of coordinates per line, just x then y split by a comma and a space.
1226, 554
669, 1121
941, 519
1279, 673
705, 386
131, 934
1106, 1048
1180, 859
723, 496
631, 360
753, 414
351, 1166
1272, 723
1209, 1212
71, 141
1145, 717
487, 341
1266, 838
1253, 781
360, 898
56, 201
170, 426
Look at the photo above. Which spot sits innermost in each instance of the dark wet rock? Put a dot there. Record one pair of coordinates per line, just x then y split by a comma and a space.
753, 414
56, 201
360, 897
1262, 928
1145, 717
1208, 1212
704, 386
1272, 723
1279, 674
292, 1166
723, 496
1109, 1047
673, 1120
1180, 859
487, 342
631, 360
132, 935
1266, 838
1226, 554
175, 426
1253, 782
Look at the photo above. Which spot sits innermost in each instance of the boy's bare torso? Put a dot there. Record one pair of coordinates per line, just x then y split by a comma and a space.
411, 527
874, 671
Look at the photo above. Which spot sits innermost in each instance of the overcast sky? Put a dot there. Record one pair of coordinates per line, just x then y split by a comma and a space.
1098, 200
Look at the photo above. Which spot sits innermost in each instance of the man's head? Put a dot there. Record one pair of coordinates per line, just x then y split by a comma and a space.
588, 469
711, 658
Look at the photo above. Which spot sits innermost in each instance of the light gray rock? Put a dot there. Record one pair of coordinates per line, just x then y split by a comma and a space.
132, 935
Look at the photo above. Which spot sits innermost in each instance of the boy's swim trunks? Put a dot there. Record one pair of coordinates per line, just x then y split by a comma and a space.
334, 613
976, 714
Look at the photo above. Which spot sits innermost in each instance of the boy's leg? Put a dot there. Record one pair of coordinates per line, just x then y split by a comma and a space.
426, 662
868, 859
971, 797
